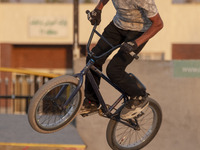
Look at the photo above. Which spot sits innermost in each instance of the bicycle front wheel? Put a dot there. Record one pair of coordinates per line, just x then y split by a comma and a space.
146, 126
47, 112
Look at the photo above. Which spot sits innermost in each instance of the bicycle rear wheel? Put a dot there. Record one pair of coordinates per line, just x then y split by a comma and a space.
46, 113
123, 137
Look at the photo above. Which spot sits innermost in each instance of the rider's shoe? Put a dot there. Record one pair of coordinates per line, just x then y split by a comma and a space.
133, 108
89, 107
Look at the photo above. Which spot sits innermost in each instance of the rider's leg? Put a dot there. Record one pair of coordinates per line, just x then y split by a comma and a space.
116, 72
112, 34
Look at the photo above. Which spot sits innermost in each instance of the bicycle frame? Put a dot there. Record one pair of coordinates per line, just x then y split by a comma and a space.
106, 111
86, 71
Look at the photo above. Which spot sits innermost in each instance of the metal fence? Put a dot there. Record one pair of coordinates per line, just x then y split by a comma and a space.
17, 88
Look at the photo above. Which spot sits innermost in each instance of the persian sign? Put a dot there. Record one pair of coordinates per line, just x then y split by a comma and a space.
48, 26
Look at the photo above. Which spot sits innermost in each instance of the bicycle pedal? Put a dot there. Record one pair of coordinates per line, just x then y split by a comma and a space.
89, 114
101, 113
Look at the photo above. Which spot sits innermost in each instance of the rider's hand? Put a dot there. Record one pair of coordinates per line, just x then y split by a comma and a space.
95, 16
129, 48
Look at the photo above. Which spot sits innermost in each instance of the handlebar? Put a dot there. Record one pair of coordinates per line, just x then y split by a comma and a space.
90, 53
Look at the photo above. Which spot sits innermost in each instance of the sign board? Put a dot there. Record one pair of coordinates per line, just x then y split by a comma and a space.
48, 26
186, 68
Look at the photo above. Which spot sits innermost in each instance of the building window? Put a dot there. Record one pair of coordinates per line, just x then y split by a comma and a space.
152, 56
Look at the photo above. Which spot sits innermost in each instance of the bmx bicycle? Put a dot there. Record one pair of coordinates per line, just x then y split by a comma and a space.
59, 100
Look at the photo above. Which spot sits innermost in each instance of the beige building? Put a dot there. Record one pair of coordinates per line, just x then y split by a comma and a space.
47, 30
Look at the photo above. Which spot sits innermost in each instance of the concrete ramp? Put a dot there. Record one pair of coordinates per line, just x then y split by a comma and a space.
178, 97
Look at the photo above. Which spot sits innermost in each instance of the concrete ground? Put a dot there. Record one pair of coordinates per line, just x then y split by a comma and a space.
17, 134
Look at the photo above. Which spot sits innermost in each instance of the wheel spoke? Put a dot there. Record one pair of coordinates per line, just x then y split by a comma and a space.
126, 137
48, 114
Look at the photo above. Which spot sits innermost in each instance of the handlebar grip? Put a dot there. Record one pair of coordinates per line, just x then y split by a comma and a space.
87, 11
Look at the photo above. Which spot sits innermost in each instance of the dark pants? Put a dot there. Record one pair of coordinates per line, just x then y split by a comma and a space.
116, 67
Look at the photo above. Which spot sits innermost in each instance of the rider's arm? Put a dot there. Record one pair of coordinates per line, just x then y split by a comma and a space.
132, 46
95, 16
101, 4
157, 25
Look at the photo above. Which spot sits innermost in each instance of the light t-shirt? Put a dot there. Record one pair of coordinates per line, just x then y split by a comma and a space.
134, 14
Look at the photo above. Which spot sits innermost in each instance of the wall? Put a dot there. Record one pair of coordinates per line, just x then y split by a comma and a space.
186, 51
185, 23
180, 24
178, 97
41, 56
17, 22
16, 25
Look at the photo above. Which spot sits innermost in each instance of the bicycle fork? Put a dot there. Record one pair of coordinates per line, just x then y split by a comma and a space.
80, 83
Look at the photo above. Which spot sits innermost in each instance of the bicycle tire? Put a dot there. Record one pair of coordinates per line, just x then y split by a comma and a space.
125, 141
45, 114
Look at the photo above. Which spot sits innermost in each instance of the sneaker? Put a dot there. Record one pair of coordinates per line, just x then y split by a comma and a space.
133, 108
88, 107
